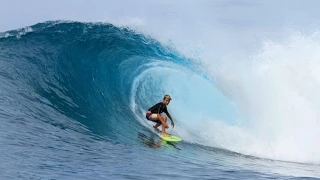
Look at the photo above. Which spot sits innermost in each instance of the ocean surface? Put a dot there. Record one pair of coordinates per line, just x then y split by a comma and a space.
72, 102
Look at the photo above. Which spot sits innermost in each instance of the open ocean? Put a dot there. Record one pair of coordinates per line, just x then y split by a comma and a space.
73, 97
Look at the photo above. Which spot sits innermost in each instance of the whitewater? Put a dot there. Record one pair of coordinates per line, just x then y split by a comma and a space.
74, 94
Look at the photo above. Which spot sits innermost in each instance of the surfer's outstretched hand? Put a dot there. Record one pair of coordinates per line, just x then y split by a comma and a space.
172, 124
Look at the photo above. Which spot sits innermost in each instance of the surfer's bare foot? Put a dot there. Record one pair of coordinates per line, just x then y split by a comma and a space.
165, 134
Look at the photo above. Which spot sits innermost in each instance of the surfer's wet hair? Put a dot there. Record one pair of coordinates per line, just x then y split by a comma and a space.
166, 96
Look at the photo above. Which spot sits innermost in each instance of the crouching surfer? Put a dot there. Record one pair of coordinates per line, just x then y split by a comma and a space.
154, 114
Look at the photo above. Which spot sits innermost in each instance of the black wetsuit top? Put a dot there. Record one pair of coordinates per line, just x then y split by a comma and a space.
158, 108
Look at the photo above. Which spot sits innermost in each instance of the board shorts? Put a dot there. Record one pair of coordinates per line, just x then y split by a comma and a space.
149, 117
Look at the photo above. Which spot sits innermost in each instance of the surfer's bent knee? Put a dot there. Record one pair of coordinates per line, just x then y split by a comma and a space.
165, 118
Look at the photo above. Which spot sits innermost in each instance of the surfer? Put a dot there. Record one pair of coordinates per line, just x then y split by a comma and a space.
154, 114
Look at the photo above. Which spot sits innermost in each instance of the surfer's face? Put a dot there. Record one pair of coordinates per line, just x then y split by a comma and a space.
166, 101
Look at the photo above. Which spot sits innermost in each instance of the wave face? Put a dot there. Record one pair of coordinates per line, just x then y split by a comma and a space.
100, 75
105, 77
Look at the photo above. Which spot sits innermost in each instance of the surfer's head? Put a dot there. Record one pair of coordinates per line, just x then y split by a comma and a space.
166, 99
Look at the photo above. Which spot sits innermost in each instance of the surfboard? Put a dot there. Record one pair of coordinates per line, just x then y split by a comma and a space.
171, 138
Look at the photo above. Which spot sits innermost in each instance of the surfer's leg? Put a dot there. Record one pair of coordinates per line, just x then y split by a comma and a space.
160, 122
157, 119
164, 125
157, 125
163, 120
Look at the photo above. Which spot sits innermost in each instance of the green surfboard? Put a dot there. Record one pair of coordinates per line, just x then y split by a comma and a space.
171, 138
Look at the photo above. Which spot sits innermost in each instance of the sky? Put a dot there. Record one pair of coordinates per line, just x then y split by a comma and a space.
19, 13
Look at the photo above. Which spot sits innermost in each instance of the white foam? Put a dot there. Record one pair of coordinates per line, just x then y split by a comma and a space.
277, 90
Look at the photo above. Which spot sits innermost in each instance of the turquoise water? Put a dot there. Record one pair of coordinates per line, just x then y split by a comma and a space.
72, 104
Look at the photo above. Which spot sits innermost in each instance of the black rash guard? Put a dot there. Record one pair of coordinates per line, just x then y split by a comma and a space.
158, 108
